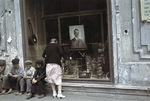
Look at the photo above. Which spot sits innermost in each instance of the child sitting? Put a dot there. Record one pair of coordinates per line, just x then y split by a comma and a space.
38, 80
26, 80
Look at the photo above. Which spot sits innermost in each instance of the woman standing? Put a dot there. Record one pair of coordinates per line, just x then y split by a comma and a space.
52, 54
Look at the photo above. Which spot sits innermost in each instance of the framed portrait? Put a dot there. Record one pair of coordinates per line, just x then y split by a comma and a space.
77, 37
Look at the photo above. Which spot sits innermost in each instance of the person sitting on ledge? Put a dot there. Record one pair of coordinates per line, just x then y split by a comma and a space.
25, 82
13, 77
2, 69
38, 80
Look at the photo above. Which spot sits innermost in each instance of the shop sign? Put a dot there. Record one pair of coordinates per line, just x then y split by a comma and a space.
145, 10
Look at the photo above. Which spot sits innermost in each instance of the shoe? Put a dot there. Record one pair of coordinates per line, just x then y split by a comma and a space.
30, 96
54, 95
60, 96
41, 96
17, 93
10, 91
21, 93
4, 91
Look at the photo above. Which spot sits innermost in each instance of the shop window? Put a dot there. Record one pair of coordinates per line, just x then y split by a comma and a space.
51, 29
51, 9
90, 17
90, 62
64, 25
61, 18
92, 25
105, 29
60, 6
92, 28
92, 4
63, 6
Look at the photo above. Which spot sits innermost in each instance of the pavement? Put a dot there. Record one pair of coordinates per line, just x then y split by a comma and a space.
77, 97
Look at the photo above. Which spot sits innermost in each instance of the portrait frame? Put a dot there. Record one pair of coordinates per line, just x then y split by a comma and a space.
81, 37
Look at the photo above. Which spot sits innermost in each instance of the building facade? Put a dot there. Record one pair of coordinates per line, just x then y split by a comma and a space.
115, 34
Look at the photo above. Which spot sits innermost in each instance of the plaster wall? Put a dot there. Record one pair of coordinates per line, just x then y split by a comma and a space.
11, 32
130, 44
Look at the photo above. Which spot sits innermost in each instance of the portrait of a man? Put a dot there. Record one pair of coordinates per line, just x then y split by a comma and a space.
77, 39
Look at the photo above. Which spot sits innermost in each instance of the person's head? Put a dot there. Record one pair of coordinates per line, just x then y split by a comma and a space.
39, 63
2, 65
15, 62
76, 32
28, 64
54, 40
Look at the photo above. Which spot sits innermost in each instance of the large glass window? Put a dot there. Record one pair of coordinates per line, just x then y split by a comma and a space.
90, 62
60, 6
51, 29
66, 19
92, 26
92, 4
63, 6
64, 25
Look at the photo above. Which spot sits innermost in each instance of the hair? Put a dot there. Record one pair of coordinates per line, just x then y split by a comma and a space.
39, 62
54, 40
76, 30
2, 62
15, 61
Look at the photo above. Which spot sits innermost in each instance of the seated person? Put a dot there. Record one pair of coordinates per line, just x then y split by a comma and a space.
26, 80
2, 69
38, 80
13, 77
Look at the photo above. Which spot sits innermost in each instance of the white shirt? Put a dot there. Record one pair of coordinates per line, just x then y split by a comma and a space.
29, 72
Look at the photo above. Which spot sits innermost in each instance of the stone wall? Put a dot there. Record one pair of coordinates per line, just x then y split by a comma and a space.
130, 44
11, 32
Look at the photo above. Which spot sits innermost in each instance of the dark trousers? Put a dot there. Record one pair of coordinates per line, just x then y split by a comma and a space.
25, 83
0, 85
11, 82
38, 87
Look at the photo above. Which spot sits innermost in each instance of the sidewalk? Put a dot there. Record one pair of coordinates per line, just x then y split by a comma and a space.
77, 97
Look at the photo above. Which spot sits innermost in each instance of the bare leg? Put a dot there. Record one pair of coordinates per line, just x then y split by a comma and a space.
54, 90
59, 89
60, 92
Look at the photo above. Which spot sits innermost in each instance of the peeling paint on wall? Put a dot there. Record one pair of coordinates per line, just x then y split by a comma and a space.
10, 30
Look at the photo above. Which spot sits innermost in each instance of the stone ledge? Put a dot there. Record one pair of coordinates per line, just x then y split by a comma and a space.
106, 86
97, 89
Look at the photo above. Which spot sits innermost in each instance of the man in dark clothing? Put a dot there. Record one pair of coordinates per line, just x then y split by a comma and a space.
38, 80
76, 42
13, 77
